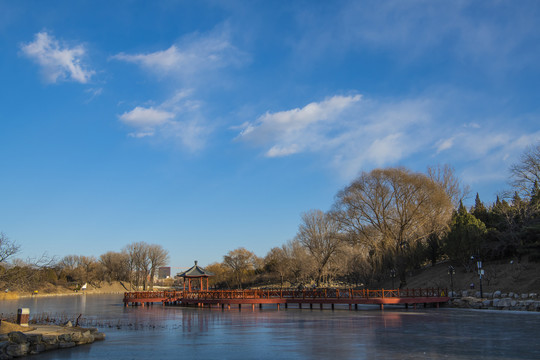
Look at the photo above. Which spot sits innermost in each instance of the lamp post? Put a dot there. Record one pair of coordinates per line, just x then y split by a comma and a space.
451, 272
480, 274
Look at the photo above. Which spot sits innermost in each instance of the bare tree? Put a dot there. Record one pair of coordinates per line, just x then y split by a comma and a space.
116, 266
8, 248
319, 233
277, 261
526, 172
446, 177
389, 210
89, 266
221, 276
240, 261
301, 263
157, 257
139, 263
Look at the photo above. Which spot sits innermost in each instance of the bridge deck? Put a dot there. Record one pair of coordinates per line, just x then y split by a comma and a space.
289, 296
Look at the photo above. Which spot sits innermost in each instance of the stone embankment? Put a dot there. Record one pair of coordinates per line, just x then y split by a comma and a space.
495, 301
45, 338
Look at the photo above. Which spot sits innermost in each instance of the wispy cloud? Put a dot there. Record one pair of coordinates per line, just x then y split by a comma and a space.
146, 118
58, 61
176, 119
298, 129
351, 133
191, 56
464, 30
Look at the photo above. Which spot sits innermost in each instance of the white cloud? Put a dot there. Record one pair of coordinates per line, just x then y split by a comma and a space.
146, 117
176, 119
350, 134
297, 129
191, 57
58, 61
445, 144
279, 151
385, 150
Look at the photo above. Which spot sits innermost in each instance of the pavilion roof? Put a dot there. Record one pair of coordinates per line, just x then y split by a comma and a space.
195, 271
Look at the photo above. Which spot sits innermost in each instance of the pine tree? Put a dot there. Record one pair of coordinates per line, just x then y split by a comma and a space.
466, 236
479, 211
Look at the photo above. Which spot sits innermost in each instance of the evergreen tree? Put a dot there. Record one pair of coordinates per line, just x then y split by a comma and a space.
465, 238
479, 210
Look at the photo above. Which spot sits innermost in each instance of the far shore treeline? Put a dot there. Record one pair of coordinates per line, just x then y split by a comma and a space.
386, 223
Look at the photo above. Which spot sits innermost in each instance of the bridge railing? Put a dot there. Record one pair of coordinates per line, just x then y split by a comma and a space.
308, 294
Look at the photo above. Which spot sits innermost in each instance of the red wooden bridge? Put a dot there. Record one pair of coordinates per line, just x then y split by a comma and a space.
308, 297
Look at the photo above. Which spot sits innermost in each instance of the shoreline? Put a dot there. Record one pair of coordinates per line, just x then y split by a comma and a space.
43, 338
25, 296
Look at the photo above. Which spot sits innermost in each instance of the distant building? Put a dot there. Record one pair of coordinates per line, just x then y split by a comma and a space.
164, 272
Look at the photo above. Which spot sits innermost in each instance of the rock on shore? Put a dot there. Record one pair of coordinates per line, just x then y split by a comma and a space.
496, 301
44, 338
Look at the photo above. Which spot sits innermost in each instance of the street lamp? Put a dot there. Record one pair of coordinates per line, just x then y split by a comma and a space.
480, 274
451, 272
393, 276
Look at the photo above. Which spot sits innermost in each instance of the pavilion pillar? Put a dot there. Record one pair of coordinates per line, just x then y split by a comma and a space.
207, 284
201, 288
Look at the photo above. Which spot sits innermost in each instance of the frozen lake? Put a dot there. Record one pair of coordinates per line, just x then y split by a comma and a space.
158, 332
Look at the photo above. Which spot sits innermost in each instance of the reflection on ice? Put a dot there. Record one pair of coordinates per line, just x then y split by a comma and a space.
292, 333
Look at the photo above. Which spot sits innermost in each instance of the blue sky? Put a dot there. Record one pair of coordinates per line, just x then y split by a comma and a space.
210, 125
